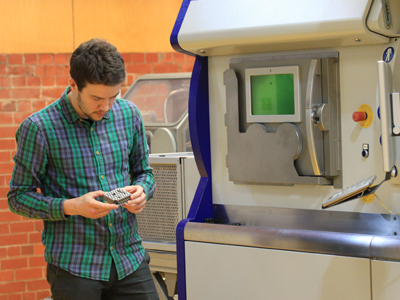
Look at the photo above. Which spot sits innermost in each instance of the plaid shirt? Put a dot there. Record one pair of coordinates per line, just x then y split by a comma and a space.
67, 157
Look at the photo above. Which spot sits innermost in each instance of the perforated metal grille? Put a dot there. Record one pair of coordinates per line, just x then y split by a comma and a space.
158, 221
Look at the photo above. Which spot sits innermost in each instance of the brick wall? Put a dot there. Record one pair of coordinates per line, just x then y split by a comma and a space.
29, 82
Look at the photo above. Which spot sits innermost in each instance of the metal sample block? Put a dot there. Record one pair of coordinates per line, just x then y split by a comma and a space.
117, 196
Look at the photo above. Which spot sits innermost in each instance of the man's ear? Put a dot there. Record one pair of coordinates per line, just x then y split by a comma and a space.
73, 85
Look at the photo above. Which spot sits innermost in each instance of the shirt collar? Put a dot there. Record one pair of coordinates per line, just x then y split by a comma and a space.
69, 112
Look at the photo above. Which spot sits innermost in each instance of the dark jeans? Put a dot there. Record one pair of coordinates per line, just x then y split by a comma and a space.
137, 286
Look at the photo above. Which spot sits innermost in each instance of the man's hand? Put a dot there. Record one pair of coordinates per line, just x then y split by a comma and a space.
138, 199
87, 206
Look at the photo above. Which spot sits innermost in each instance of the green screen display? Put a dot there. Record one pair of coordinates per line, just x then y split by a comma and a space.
272, 94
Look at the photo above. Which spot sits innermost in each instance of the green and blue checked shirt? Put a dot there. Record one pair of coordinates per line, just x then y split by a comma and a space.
67, 157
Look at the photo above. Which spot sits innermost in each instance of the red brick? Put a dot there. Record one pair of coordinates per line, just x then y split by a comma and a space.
62, 80
30, 296
49, 70
60, 58
15, 59
33, 81
27, 250
26, 226
6, 168
19, 117
165, 68
138, 57
38, 225
21, 70
151, 57
5, 156
12, 287
26, 274
5, 81
66, 70
15, 297
3, 70
165, 57
30, 59
37, 285
190, 58
3, 204
15, 239
5, 94
39, 249
4, 228
48, 80
3, 297
139, 68
179, 57
54, 93
8, 216
43, 294
35, 237
6, 118
14, 251
131, 79
14, 263
7, 144
186, 67
28, 93
19, 81
127, 57
38, 105
3, 252
45, 59
3, 59
37, 261
6, 276
24, 105
9, 106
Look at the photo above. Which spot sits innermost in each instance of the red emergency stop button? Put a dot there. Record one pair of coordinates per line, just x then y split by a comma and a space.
359, 116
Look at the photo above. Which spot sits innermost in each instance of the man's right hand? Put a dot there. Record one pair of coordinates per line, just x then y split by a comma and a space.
87, 206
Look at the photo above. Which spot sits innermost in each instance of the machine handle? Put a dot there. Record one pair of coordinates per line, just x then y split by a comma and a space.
384, 91
310, 116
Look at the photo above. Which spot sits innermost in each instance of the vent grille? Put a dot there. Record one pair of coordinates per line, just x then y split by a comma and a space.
158, 221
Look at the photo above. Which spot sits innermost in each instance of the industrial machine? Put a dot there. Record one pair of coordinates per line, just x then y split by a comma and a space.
294, 120
163, 102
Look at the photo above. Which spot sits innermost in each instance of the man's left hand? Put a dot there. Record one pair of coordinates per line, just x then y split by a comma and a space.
138, 199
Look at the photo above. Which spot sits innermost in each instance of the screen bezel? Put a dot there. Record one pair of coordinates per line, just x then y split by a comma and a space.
296, 117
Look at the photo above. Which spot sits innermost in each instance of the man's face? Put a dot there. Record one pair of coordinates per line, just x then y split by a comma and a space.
94, 100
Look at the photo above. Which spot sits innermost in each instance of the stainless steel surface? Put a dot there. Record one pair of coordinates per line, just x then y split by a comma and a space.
305, 219
328, 232
355, 245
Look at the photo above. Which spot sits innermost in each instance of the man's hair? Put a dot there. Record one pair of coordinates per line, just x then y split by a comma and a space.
97, 62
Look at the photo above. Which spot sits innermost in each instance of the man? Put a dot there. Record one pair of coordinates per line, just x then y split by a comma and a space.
76, 149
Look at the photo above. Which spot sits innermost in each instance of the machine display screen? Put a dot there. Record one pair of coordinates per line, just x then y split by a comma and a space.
273, 94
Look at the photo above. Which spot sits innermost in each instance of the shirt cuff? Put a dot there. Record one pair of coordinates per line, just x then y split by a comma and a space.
145, 189
57, 210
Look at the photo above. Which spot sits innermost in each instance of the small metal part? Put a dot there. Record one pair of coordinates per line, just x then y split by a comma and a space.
393, 172
365, 150
117, 196
358, 40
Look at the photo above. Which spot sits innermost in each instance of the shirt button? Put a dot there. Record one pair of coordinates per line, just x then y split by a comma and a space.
97, 152
102, 177
112, 248
110, 224
91, 129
